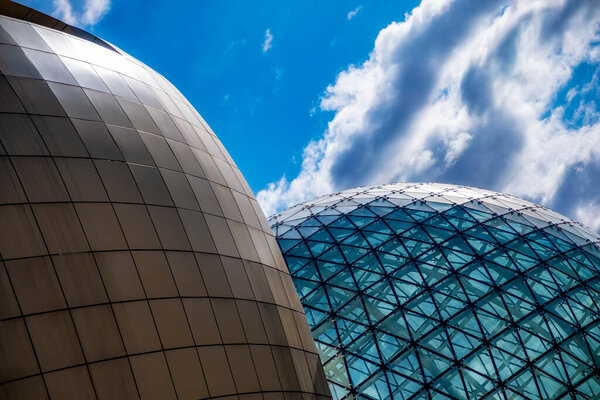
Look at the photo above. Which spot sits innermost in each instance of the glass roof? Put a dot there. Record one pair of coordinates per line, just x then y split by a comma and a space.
432, 291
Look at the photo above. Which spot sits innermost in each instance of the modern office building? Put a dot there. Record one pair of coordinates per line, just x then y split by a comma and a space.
430, 291
134, 260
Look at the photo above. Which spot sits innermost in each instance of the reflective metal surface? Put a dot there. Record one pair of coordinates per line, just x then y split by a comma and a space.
135, 261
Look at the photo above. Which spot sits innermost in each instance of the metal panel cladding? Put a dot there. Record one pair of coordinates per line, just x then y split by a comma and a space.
431, 291
135, 261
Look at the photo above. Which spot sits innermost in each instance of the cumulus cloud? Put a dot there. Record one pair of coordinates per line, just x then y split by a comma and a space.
268, 40
353, 13
91, 13
589, 212
64, 11
94, 10
481, 93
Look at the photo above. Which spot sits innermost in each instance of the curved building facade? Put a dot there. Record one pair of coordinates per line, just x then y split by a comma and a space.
135, 261
430, 291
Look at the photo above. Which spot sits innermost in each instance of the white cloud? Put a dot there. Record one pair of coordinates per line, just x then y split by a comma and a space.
268, 40
91, 13
64, 11
94, 10
353, 13
589, 212
470, 103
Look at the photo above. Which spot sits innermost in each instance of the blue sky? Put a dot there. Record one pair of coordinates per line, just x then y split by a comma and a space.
311, 97
258, 102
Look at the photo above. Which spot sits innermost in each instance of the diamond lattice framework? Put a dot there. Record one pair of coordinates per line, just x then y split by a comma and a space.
427, 291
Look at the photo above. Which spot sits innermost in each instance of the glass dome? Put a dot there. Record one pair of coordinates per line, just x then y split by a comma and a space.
430, 291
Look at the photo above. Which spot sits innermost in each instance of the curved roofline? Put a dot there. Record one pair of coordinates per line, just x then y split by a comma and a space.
455, 195
469, 193
18, 11
388, 186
